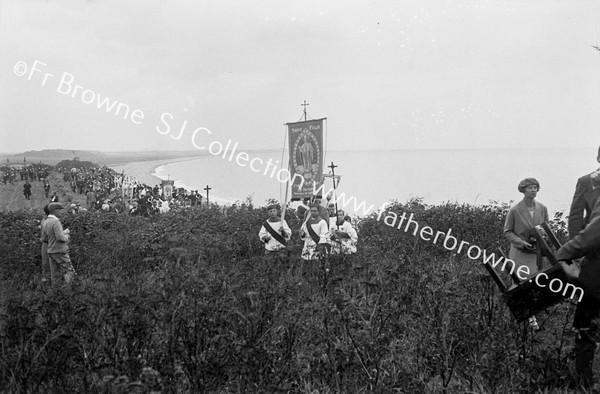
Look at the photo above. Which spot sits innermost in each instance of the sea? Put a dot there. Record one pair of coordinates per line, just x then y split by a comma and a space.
373, 178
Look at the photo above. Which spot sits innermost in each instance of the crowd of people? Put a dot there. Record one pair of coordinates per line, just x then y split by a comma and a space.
103, 190
31, 173
106, 190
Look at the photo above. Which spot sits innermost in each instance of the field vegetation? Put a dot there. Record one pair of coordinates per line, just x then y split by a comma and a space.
186, 302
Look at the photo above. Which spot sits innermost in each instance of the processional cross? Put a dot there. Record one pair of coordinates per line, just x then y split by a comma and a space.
333, 167
207, 189
305, 105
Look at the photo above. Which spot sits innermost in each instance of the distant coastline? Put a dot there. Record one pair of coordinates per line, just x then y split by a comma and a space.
145, 171
369, 176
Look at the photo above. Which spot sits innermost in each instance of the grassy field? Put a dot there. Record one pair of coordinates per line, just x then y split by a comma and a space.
186, 302
12, 198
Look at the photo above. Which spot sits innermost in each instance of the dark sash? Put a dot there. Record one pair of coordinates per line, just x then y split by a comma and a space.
274, 233
312, 233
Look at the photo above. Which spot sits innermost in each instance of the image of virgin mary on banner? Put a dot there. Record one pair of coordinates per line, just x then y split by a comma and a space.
306, 157
167, 186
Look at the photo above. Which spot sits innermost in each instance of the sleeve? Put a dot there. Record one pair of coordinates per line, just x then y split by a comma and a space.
59, 232
509, 226
323, 232
352, 233
262, 233
287, 230
332, 229
303, 231
585, 242
545, 215
44, 235
576, 222
325, 216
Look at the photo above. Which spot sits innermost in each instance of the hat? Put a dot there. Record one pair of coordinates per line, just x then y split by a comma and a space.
55, 206
72, 206
272, 206
527, 182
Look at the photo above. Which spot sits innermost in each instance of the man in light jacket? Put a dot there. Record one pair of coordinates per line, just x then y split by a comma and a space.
58, 250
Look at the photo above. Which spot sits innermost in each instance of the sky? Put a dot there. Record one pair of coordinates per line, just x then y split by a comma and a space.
439, 74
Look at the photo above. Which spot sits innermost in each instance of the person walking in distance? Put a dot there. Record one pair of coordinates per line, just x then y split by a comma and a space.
61, 268
46, 188
27, 190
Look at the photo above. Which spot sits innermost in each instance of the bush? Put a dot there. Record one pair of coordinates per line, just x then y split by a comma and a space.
185, 301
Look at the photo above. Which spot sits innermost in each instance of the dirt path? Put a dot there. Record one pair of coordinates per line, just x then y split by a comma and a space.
12, 198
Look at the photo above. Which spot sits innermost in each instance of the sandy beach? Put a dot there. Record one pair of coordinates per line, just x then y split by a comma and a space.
143, 170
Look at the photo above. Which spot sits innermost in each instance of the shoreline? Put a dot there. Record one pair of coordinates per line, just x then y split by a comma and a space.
233, 183
146, 172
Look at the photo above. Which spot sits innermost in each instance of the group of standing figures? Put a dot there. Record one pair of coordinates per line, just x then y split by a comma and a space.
584, 241
27, 191
324, 232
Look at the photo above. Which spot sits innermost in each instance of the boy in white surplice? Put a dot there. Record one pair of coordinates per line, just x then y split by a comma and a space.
343, 235
315, 234
274, 233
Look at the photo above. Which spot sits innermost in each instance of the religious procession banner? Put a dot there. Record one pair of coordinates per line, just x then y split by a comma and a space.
306, 157
127, 185
167, 186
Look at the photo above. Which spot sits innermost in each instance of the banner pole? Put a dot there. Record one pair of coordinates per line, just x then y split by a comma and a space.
284, 207
287, 183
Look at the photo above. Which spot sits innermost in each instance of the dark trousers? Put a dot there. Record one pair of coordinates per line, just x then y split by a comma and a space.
586, 322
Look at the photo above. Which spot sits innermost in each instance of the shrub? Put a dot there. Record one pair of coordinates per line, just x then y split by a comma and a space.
185, 301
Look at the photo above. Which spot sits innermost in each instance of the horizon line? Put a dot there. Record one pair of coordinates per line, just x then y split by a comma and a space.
201, 153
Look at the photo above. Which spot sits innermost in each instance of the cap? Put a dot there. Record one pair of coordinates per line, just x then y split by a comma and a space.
55, 206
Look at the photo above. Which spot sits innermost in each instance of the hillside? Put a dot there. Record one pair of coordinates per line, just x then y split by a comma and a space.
186, 302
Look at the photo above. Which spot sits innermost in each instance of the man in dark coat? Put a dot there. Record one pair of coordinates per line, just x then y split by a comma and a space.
585, 244
46, 188
587, 192
27, 190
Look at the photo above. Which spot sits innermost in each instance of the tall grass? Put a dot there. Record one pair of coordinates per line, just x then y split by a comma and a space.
186, 302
